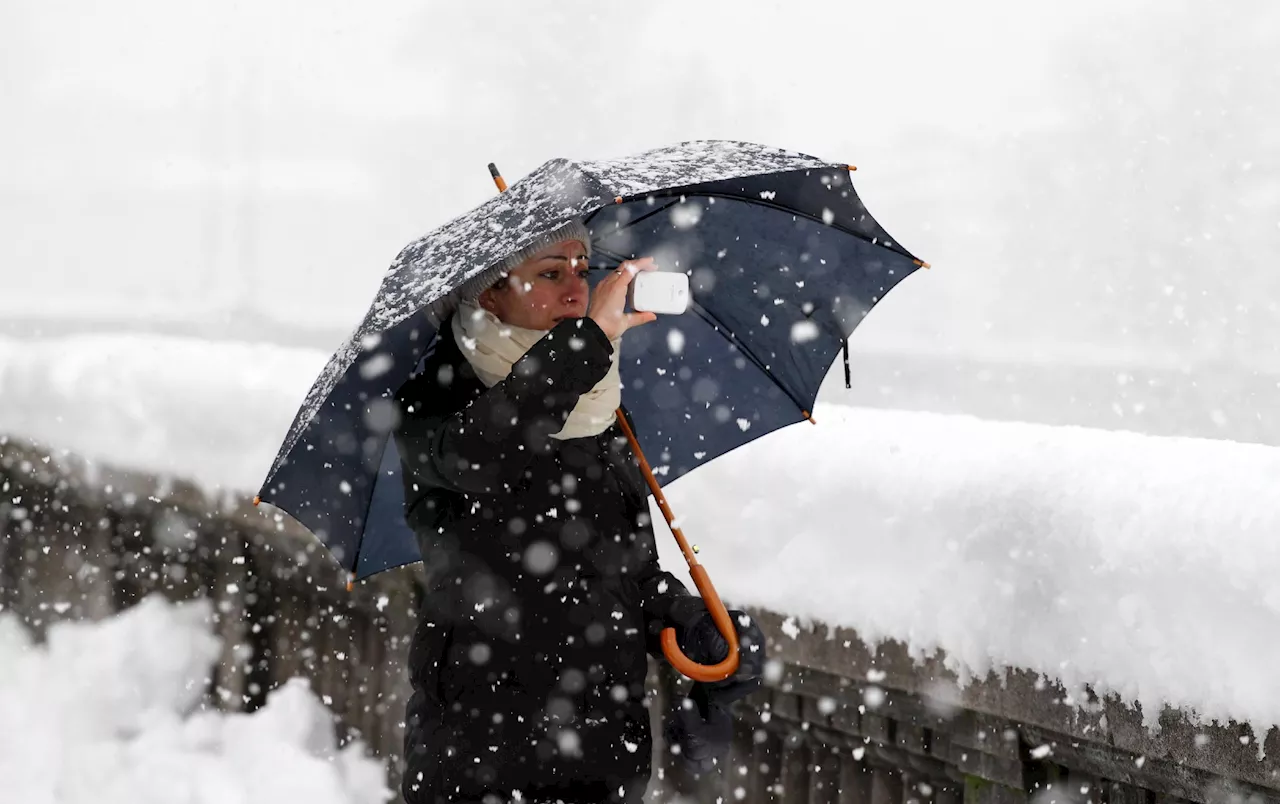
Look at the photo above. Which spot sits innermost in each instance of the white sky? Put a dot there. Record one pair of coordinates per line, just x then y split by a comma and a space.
198, 157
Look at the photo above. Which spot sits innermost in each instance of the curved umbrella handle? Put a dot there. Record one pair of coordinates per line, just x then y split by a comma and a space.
670, 646
690, 668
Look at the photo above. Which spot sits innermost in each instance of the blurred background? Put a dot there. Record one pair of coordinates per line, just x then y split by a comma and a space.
1097, 185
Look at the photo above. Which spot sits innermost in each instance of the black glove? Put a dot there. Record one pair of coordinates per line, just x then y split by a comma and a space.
701, 641
701, 724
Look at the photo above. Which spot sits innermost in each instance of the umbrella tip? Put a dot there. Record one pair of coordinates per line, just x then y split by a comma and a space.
852, 167
497, 178
923, 264
257, 500
351, 581
617, 199
809, 416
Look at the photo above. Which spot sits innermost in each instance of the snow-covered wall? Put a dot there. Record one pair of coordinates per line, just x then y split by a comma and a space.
1144, 566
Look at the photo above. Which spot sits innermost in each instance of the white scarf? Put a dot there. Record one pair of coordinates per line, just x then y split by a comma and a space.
492, 347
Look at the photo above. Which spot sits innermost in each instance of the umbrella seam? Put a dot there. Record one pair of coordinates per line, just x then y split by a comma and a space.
719, 326
646, 216
806, 216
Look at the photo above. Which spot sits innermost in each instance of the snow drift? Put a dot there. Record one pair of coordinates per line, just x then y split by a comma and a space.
111, 713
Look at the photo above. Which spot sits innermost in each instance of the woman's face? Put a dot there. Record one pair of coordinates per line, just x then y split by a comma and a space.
543, 290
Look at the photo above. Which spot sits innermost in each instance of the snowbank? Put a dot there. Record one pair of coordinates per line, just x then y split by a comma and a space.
109, 712
1145, 566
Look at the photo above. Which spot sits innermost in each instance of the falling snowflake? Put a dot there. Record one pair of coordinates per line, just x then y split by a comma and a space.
873, 697
686, 215
569, 742
376, 366
675, 341
803, 331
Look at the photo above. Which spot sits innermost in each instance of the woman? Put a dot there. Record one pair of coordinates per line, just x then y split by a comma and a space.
544, 590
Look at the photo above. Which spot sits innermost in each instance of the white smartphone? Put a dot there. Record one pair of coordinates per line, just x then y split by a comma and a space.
664, 292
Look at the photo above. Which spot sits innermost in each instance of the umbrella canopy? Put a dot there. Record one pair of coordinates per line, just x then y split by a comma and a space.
784, 262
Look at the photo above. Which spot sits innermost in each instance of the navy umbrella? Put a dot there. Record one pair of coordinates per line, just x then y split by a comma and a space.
784, 261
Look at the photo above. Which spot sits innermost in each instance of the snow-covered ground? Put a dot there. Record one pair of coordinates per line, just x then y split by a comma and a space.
110, 713
1142, 565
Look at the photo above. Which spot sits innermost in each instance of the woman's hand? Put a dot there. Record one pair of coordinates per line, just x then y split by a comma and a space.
609, 300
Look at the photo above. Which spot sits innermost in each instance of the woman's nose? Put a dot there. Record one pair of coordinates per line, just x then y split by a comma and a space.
576, 288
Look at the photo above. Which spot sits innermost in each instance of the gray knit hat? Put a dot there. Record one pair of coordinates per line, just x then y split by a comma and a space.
573, 230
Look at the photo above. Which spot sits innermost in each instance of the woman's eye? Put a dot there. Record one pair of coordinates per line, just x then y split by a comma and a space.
552, 275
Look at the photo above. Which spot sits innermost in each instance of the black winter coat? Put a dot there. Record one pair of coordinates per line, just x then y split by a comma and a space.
544, 590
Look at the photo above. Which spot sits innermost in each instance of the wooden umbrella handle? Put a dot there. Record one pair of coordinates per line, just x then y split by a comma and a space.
670, 646
687, 666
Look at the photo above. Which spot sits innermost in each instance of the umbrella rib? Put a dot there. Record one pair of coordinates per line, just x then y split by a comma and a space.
679, 198
629, 224
724, 331
797, 213
680, 195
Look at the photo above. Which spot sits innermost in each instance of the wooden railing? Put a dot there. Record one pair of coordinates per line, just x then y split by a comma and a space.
836, 722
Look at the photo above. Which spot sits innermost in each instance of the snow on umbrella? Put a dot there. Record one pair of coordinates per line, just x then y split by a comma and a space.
784, 262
